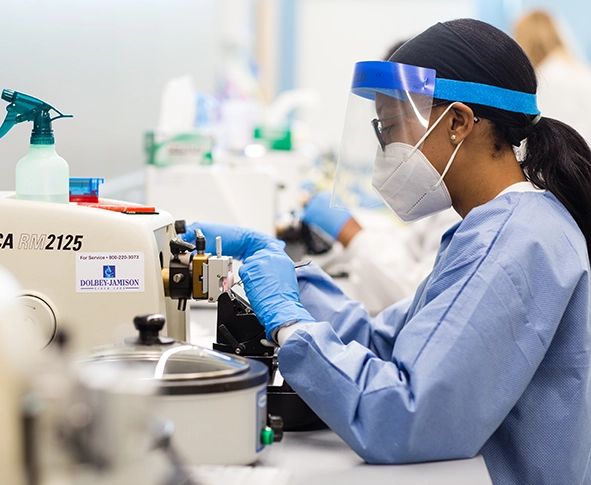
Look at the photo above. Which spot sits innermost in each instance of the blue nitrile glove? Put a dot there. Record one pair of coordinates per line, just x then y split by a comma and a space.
271, 285
238, 242
317, 212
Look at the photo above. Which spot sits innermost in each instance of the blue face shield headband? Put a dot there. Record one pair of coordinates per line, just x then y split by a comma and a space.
392, 79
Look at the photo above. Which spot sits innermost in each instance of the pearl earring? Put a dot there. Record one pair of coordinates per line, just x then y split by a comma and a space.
453, 137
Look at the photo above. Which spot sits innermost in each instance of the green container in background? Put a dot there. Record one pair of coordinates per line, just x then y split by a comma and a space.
192, 148
273, 138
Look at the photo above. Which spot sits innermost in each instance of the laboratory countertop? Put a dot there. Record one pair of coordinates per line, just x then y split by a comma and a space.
323, 458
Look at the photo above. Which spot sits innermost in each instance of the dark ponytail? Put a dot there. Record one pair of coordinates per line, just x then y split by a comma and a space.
558, 159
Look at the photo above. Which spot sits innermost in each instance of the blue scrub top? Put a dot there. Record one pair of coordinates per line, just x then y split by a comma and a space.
491, 355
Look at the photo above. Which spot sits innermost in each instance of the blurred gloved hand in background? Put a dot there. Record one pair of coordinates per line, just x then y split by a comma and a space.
238, 242
271, 285
317, 212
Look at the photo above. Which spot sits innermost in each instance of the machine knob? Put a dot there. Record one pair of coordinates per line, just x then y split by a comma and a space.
180, 226
276, 424
149, 327
200, 241
38, 318
178, 246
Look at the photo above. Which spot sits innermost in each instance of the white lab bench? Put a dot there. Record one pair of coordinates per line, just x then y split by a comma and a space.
322, 458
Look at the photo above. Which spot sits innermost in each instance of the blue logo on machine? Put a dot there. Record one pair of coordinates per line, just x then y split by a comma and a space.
108, 271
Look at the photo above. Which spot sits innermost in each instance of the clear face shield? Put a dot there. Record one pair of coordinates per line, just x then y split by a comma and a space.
389, 102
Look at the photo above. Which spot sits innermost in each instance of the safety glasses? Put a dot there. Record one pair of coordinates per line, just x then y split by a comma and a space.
380, 129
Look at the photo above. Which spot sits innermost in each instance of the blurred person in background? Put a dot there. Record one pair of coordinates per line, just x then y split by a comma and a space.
564, 79
384, 259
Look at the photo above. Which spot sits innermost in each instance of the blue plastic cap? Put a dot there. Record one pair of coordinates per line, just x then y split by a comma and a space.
85, 188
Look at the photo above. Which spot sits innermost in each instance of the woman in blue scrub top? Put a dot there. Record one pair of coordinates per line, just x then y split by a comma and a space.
492, 353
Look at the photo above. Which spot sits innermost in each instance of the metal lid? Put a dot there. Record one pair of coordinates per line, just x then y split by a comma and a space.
165, 359
177, 362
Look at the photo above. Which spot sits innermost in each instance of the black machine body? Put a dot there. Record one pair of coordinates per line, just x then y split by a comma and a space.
239, 332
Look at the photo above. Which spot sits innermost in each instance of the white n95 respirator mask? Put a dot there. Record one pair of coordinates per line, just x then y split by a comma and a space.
406, 181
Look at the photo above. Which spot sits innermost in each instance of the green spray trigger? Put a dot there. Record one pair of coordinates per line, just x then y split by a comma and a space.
23, 107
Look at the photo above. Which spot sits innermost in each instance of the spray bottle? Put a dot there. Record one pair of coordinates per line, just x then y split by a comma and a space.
41, 174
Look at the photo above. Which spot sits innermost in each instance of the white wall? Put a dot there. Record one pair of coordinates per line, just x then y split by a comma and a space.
334, 34
106, 62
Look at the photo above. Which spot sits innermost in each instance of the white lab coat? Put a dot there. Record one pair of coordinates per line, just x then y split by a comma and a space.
563, 92
387, 260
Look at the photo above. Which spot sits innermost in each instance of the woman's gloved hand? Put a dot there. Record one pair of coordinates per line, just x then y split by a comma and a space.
317, 212
238, 242
271, 285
